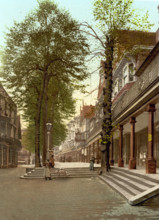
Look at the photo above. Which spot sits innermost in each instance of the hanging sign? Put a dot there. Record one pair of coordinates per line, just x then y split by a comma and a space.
149, 137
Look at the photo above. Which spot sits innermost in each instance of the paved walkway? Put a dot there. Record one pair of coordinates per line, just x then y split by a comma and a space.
65, 199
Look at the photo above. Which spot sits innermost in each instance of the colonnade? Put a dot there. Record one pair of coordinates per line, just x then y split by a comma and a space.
150, 160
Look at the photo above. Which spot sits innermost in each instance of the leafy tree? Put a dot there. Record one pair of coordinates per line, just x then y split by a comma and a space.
60, 107
47, 44
112, 17
28, 138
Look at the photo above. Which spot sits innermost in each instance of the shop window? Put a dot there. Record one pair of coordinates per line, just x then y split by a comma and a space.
4, 155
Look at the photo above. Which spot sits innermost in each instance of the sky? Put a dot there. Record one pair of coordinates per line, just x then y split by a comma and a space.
16, 10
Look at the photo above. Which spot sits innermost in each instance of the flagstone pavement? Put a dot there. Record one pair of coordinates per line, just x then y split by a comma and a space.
65, 199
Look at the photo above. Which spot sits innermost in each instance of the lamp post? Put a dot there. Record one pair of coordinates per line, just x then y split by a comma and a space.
48, 126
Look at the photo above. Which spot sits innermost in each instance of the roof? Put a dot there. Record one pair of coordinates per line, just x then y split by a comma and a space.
153, 53
88, 111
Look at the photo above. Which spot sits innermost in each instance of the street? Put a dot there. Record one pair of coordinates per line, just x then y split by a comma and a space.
65, 199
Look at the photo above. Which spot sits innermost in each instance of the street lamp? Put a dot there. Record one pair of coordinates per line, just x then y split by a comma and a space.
48, 126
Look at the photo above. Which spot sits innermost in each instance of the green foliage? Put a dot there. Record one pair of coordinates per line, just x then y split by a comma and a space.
44, 57
28, 137
119, 15
61, 106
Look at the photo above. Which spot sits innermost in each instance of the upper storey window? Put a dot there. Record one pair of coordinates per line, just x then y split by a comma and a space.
131, 72
116, 87
128, 73
125, 75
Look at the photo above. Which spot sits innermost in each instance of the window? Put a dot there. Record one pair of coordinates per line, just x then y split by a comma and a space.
125, 75
8, 130
128, 73
116, 87
3, 128
4, 155
131, 72
10, 155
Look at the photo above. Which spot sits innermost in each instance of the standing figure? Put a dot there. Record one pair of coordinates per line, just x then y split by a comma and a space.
51, 161
92, 160
47, 171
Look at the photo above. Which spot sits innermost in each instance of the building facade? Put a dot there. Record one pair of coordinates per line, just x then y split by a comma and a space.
135, 106
10, 131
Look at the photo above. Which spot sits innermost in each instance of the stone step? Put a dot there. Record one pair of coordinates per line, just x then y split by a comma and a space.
70, 172
126, 186
134, 174
117, 188
137, 179
130, 185
30, 178
74, 174
36, 173
78, 173
140, 187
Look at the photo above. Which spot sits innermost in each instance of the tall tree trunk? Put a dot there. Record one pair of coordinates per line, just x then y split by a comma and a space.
52, 119
107, 121
45, 114
37, 141
37, 124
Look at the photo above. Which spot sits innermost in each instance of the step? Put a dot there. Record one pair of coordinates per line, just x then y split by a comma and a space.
70, 176
30, 178
130, 182
117, 188
75, 172
71, 172
133, 186
35, 173
146, 177
137, 179
130, 189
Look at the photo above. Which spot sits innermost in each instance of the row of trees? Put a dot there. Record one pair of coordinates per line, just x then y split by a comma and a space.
43, 62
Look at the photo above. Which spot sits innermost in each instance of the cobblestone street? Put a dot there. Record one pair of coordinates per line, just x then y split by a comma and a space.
66, 199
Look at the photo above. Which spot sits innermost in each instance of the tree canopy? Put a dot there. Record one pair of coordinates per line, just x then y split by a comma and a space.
45, 49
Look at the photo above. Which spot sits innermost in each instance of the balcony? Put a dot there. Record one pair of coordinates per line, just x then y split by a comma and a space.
80, 136
145, 88
11, 141
96, 130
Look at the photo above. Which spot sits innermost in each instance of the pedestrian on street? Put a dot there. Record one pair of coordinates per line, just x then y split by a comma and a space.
47, 171
51, 161
92, 160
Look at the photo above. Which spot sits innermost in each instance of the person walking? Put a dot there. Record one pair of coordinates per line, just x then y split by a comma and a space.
51, 161
92, 160
47, 171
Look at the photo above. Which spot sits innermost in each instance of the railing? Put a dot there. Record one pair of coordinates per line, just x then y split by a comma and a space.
97, 129
146, 79
80, 136
12, 141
